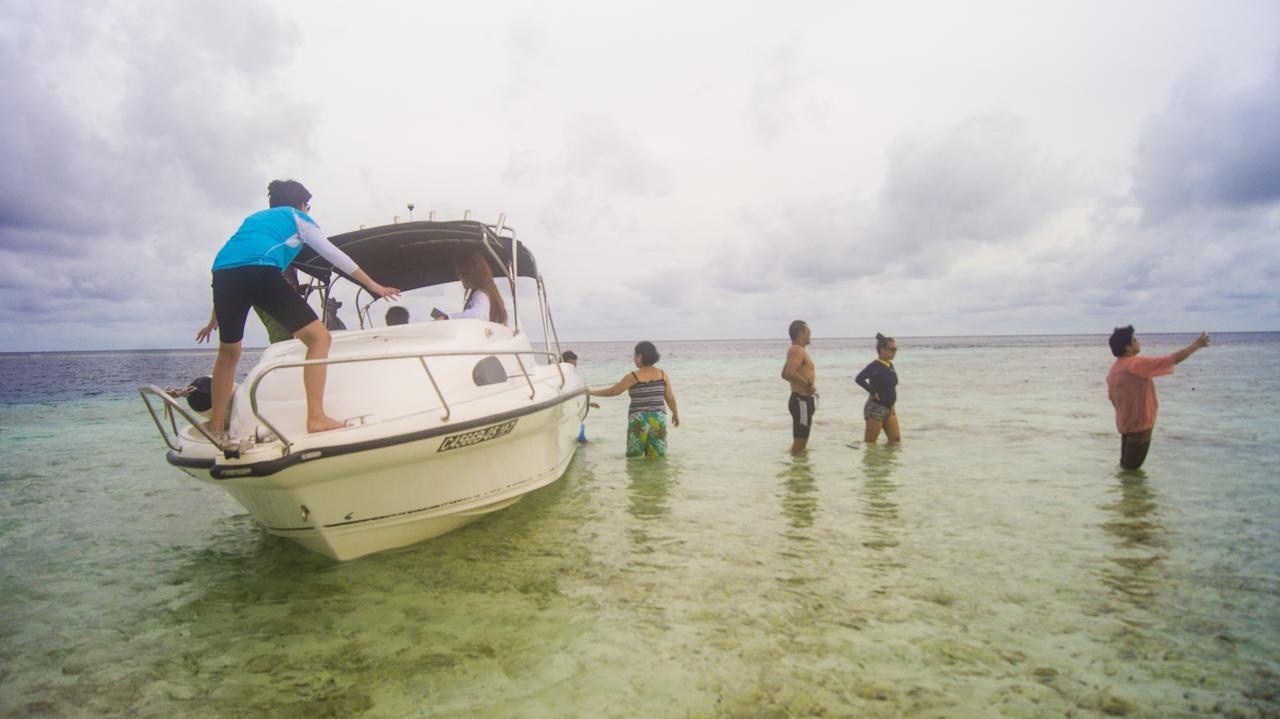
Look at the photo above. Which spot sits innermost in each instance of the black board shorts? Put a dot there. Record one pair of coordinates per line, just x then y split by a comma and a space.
802, 407
237, 289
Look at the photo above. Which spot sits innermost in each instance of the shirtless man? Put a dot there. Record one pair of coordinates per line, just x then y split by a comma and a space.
800, 373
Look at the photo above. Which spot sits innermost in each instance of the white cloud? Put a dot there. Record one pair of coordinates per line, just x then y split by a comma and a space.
675, 177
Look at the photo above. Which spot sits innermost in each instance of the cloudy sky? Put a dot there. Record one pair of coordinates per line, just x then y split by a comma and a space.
681, 170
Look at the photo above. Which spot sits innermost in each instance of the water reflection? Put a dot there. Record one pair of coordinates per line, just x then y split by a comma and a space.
878, 488
799, 499
1133, 572
649, 494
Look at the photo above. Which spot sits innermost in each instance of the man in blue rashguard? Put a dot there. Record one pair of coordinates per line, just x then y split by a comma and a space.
247, 273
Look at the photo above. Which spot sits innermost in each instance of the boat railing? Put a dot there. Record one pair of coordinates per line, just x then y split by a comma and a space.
172, 405
420, 356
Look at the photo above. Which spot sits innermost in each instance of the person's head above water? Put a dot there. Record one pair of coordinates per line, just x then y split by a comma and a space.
287, 193
570, 356
646, 354
1120, 340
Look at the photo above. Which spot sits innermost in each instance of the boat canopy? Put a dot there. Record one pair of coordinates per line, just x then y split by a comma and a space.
409, 255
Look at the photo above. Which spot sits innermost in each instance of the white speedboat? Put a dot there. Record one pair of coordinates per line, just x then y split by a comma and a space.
447, 421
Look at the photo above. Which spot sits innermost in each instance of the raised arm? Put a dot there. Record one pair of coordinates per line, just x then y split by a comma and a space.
1185, 352
311, 234
622, 386
670, 396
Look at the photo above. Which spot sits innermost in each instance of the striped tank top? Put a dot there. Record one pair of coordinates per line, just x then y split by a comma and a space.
648, 396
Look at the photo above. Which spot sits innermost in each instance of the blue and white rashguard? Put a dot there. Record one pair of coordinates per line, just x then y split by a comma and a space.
247, 271
272, 238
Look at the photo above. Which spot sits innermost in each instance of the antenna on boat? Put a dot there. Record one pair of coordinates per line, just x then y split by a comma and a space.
410, 211
395, 220
466, 216
431, 215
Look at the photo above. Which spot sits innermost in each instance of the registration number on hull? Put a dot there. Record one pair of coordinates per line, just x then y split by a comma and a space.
474, 437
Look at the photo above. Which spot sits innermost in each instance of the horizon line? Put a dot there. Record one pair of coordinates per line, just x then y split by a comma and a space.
712, 339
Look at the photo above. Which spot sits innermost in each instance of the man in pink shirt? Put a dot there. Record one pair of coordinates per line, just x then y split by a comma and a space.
1132, 391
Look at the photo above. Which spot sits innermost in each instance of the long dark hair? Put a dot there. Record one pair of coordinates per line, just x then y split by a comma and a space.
475, 274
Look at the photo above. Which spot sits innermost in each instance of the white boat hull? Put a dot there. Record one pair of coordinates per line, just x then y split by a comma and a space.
409, 492
411, 468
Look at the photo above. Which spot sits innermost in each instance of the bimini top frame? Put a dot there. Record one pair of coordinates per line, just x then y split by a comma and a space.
410, 255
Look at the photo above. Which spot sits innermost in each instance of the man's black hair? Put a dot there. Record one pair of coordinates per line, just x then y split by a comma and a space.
569, 356
397, 315
648, 353
1120, 340
795, 328
287, 193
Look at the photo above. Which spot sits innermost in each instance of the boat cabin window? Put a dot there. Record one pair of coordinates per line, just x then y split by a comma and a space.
489, 371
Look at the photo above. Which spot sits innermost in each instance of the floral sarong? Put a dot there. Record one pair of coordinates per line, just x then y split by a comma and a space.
647, 434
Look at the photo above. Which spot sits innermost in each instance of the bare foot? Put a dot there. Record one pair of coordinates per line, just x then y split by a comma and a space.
208, 427
324, 424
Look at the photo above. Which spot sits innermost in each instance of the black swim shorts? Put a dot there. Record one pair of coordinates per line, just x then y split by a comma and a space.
237, 289
802, 407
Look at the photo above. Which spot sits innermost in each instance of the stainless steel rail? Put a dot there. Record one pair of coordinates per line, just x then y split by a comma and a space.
420, 356
170, 406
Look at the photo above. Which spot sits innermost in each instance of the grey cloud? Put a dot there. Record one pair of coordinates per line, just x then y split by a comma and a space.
589, 178
1211, 148
769, 109
527, 44
182, 112
982, 182
597, 149
956, 231
596, 152
134, 140
1135, 270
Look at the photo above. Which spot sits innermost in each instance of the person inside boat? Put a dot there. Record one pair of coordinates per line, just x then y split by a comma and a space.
247, 272
332, 321
397, 315
480, 299
650, 388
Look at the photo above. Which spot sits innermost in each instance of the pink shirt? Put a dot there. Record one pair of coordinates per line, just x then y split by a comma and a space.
1131, 390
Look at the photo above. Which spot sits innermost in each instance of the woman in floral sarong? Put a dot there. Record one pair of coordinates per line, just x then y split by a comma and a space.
651, 394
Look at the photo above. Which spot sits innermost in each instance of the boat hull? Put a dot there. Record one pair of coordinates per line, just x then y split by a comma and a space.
353, 504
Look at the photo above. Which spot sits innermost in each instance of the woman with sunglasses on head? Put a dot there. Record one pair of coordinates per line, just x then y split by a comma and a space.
880, 380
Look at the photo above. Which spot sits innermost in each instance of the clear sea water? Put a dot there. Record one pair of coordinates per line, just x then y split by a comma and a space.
997, 563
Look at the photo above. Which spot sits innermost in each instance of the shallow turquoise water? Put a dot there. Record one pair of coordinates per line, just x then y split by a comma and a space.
997, 563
